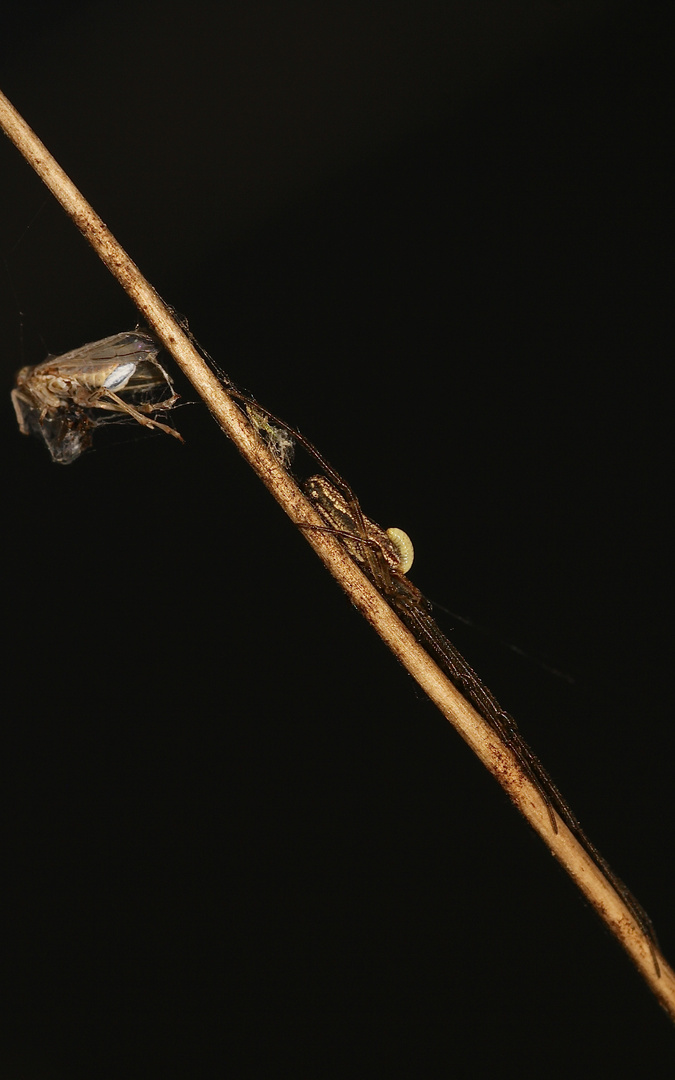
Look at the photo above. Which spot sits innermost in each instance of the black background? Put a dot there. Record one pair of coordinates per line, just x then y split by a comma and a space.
437, 239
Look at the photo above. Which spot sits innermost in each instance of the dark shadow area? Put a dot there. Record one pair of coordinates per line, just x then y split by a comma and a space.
239, 839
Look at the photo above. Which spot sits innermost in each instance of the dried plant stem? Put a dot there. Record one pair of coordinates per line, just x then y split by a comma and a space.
473, 729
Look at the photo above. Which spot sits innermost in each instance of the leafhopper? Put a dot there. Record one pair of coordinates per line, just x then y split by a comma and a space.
65, 398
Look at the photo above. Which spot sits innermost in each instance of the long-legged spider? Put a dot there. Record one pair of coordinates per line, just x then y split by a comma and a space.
385, 556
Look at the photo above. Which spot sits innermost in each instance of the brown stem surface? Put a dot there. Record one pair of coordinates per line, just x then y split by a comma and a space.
473, 729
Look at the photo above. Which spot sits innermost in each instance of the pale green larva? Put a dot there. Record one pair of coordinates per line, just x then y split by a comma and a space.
404, 547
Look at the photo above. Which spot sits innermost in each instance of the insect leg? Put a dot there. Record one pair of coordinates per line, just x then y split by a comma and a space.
119, 405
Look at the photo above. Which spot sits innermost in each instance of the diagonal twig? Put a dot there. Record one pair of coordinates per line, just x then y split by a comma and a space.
494, 754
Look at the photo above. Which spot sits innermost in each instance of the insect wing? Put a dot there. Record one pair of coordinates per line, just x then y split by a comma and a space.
95, 364
120, 347
125, 363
